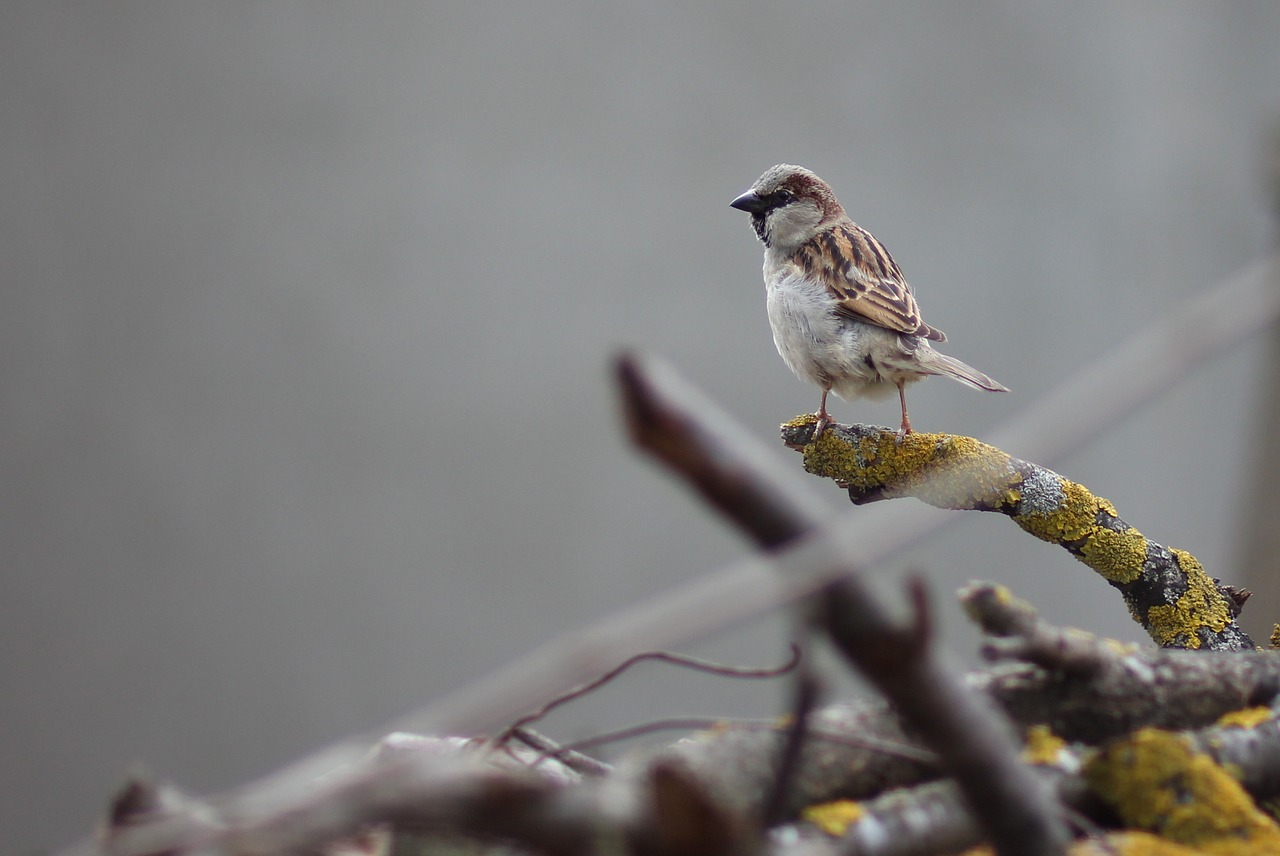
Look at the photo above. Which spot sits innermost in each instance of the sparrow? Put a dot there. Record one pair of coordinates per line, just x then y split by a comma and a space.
843, 316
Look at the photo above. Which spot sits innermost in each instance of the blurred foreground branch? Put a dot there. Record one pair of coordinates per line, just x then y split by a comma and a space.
1070, 691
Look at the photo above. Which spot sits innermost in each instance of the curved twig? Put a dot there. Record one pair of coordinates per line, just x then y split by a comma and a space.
694, 663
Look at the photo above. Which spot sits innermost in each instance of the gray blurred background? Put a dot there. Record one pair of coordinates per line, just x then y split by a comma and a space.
308, 309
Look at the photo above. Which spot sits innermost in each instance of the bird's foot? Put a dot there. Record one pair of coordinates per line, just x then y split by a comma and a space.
823, 423
906, 420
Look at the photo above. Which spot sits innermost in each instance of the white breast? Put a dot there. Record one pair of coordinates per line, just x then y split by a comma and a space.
821, 347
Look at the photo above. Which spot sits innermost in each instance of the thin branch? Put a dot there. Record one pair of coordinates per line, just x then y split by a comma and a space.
685, 661
683, 429
548, 748
789, 759
1020, 633
668, 723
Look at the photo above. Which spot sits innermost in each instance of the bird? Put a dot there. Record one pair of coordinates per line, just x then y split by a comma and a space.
842, 314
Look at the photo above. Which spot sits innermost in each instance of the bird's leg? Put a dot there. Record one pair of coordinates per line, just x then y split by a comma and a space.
906, 421
823, 418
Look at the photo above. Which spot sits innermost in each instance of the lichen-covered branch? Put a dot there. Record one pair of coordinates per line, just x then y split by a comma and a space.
1169, 790
1070, 684
1166, 589
1157, 782
1131, 688
1093, 689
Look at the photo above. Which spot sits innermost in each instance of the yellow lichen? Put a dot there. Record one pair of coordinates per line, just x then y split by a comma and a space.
835, 458
975, 606
1043, 747
940, 469
1072, 520
1191, 567
1156, 782
834, 818
965, 473
1118, 556
1202, 605
892, 465
802, 420
1250, 717
1275, 636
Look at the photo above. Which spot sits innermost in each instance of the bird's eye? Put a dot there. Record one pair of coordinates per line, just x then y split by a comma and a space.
782, 196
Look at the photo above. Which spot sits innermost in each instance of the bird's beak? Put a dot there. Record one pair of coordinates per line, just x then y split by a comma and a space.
749, 202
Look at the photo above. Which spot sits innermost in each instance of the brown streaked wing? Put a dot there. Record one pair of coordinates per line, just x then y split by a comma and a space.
863, 277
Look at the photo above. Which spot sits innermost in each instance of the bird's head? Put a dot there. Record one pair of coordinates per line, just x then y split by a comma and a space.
789, 205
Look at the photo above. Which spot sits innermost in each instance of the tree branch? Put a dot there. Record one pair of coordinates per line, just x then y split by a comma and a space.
1166, 589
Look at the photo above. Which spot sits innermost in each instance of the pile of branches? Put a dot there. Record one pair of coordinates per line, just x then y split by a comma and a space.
1062, 743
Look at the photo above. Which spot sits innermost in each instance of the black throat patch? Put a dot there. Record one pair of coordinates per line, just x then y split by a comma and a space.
762, 229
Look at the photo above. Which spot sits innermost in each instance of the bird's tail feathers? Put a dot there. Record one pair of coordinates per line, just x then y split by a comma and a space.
969, 376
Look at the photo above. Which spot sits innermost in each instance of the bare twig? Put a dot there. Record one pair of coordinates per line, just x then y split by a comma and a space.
1020, 633
683, 660
652, 726
458, 792
730, 470
682, 428
548, 748
806, 697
